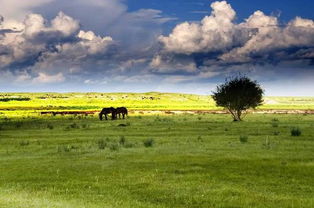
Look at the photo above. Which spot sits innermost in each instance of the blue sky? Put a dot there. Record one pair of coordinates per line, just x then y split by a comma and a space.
187, 10
156, 45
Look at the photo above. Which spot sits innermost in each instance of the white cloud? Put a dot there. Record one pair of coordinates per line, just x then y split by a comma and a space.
33, 24
55, 47
17, 9
65, 24
259, 38
45, 78
271, 37
214, 33
93, 44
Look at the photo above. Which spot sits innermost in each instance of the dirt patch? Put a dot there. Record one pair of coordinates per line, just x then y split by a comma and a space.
176, 112
68, 112
271, 102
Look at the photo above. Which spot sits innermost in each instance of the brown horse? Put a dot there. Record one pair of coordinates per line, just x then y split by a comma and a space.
123, 111
106, 111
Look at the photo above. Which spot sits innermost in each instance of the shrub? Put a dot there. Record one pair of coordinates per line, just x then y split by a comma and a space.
18, 125
276, 133
267, 143
74, 126
114, 147
102, 144
122, 125
64, 148
122, 140
24, 143
157, 119
244, 139
148, 142
129, 145
275, 122
199, 138
295, 131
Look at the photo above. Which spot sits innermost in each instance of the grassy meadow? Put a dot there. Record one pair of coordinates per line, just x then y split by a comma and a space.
153, 161
31, 102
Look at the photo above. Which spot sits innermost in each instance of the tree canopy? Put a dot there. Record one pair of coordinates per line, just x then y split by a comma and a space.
238, 95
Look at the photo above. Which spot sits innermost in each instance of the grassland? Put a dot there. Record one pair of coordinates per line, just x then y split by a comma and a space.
152, 161
30, 102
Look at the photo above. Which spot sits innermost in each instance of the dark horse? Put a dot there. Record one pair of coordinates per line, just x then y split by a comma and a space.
123, 111
106, 111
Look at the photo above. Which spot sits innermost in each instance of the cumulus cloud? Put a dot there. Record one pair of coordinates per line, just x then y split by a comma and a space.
73, 44
272, 41
219, 40
65, 24
93, 44
135, 30
87, 51
216, 32
34, 37
48, 50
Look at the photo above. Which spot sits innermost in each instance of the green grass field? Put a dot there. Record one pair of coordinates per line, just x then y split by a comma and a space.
187, 160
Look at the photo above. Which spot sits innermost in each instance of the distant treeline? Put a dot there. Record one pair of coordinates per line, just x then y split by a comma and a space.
14, 99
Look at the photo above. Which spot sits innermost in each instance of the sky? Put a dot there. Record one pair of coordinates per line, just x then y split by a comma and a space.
186, 46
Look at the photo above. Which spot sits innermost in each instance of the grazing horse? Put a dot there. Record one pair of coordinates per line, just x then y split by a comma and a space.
106, 111
123, 111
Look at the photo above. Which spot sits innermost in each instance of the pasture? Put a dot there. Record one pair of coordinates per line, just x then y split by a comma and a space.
32, 102
153, 161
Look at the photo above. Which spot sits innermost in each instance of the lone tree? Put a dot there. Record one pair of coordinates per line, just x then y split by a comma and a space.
238, 95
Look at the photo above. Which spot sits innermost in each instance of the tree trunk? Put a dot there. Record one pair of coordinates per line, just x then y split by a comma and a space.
236, 115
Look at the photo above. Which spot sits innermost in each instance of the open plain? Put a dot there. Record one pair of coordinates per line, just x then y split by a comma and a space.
152, 158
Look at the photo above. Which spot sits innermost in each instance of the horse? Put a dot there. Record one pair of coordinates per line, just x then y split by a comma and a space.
106, 111
123, 111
